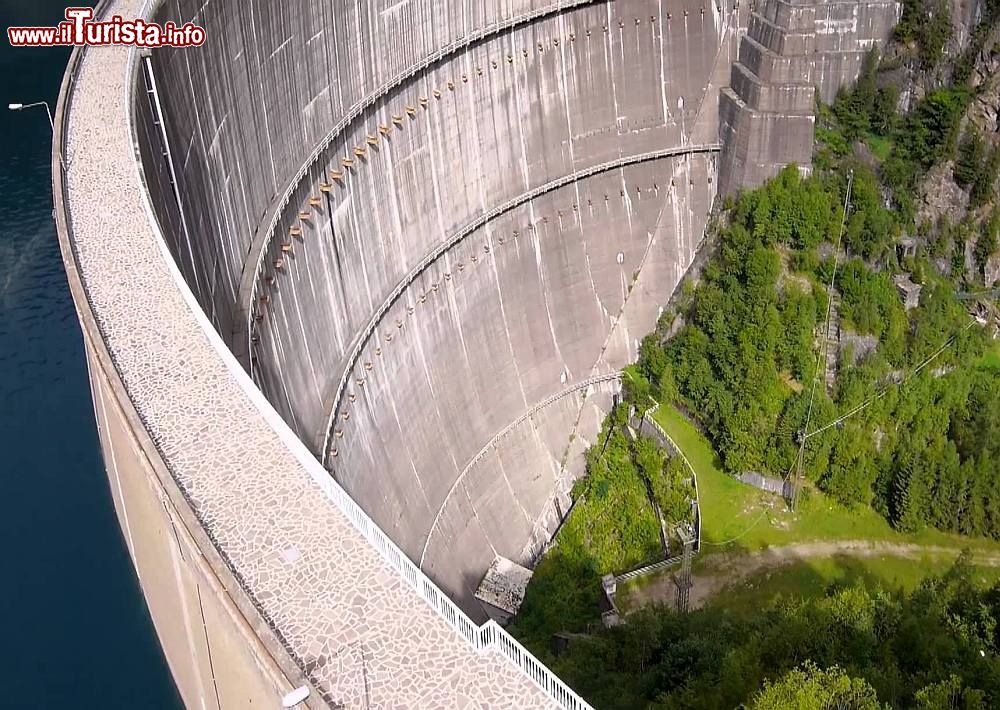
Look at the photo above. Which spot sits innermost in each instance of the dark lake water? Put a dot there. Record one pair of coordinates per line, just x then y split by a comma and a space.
76, 632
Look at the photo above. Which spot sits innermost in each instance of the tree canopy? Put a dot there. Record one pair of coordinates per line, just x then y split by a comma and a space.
746, 357
857, 646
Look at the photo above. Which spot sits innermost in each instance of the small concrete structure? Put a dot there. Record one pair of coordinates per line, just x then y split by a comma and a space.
909, 291
779, 486
502, 589
907, 247
609, 585
610, 615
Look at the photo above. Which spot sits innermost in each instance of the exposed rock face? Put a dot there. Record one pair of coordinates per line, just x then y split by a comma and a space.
854, 347
965, 15
991, 274
908, 291
985, 108
940, 196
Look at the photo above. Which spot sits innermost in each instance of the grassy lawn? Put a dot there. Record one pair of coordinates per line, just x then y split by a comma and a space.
739, 520
991, 359
736, 516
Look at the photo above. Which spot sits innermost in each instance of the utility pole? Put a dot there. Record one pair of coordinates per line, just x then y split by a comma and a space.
683, 578
799, 473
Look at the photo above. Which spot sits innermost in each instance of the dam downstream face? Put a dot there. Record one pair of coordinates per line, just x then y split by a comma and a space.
510, 192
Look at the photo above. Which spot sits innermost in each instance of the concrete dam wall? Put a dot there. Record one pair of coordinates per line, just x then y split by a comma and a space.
487, 205
794, 52
434, 231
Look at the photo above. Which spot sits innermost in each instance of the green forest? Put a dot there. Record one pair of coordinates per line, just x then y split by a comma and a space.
934, 648
905, 422
926, 451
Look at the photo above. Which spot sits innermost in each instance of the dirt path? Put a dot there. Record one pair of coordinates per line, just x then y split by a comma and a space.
716, 572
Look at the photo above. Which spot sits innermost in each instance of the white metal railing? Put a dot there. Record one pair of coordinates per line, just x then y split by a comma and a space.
488, 637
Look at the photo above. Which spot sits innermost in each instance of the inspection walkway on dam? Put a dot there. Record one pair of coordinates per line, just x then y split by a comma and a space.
353, 628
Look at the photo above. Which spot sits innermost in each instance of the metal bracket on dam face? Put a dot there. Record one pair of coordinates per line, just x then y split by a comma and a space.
258, 248
461, 234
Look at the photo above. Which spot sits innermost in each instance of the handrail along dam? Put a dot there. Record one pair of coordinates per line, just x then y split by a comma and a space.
413, 243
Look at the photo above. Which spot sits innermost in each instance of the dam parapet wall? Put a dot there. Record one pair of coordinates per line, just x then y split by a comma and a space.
794, 52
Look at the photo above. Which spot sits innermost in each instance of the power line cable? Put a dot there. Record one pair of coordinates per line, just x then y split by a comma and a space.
948, 343
852, 412
822, 354
734, 539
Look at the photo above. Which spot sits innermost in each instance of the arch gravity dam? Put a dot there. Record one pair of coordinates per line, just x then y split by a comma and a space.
356, 281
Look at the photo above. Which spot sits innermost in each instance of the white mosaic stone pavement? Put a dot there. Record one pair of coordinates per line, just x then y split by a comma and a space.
342, 612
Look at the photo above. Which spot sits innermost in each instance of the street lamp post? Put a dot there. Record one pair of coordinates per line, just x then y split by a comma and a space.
48, 111
52, 125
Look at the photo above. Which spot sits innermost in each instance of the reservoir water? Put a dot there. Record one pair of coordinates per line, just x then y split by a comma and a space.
76, 630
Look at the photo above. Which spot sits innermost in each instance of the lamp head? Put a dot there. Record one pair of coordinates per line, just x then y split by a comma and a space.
295, 697
15, 107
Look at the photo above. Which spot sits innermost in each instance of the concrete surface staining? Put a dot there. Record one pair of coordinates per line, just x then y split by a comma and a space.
490, 231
